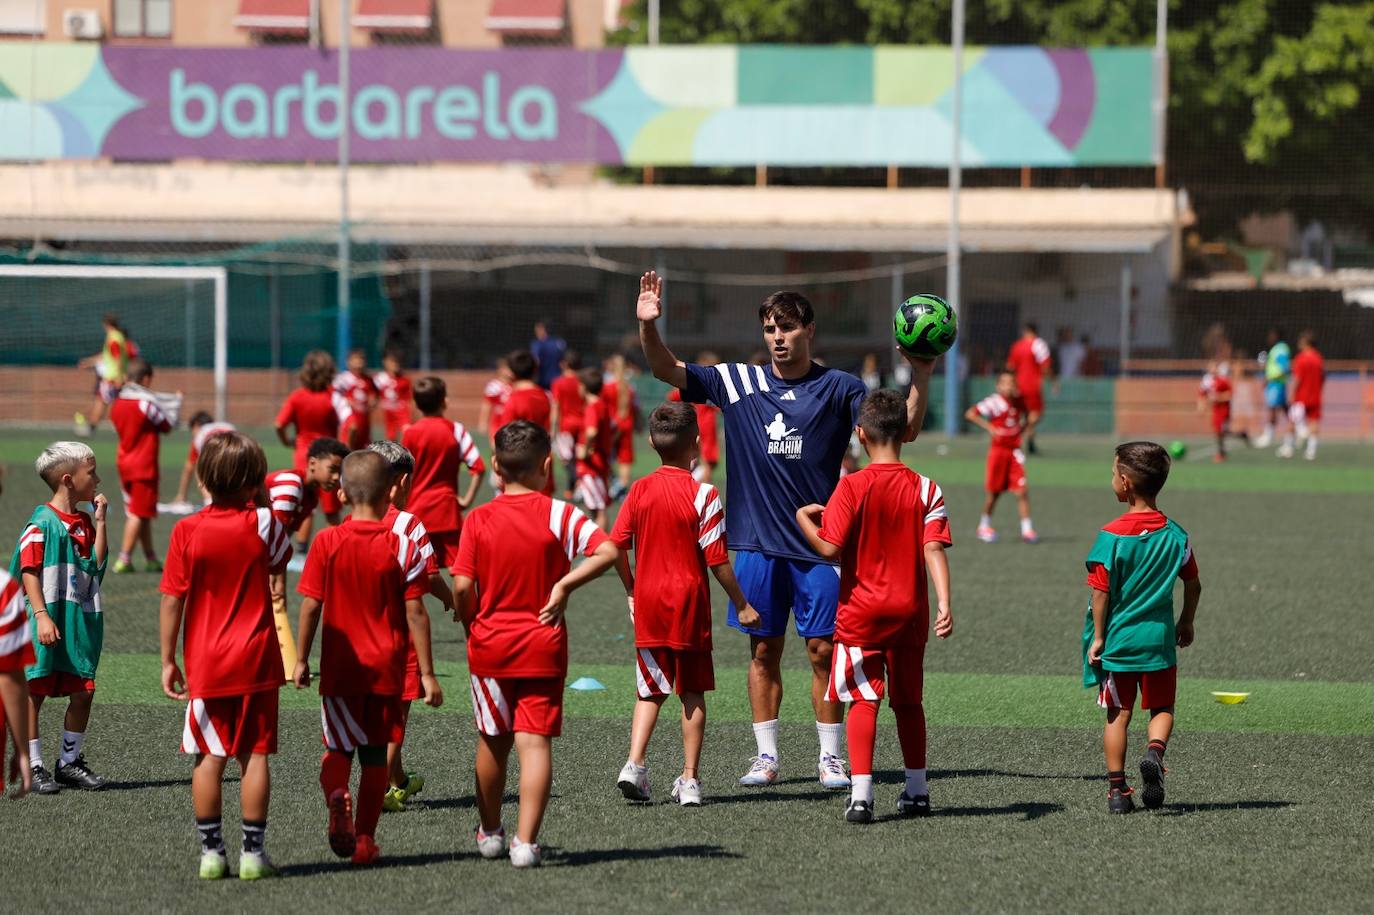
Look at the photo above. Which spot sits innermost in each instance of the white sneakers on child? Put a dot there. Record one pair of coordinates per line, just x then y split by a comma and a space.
763, 770
524, 854
987, 534
491, 845
831, 770
687, 792
634, 782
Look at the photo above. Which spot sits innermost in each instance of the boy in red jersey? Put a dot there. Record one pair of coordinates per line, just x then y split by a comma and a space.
316, 410
623, 405
401, 464
511, 584
1216, 391
16, 653
594, 449
140, 417
888, 526
1029, 360
441, 448
202, 426
494, 398
218, 564
568, 407
354, 384
1003, 415
527, 400
676, 526
1309, 376
367, 581
394, 391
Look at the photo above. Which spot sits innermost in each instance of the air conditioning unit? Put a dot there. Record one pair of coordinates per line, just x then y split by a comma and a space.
82, 24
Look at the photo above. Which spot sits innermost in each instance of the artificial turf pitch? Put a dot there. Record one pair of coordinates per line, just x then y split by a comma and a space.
1266, 808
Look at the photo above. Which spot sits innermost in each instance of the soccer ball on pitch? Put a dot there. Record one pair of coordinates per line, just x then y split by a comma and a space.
924, 326
1177, 450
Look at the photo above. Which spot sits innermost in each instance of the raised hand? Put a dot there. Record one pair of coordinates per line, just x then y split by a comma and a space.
650, 304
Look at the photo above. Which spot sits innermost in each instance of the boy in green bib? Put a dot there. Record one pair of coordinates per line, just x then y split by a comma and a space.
60, 558
1130, 636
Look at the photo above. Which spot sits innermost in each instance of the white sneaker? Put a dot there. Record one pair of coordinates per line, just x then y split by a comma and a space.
763, 771
987, 534
634, 782
1310, 455
687, 791
1285, 451
833, 776
524, 854
491, 845
213, 865
1264, 440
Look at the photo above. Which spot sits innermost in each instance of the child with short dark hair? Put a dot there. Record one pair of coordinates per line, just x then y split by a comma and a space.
394, 392
888, 526
141, 417
511, 583
60, 561
568, 406
1130, 636
595, 447
315, 410
355, 385
440, 448
1003, 415
202, 427
218, 567
676, 527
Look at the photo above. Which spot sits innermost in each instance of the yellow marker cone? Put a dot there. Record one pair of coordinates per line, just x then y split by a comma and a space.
1230, 698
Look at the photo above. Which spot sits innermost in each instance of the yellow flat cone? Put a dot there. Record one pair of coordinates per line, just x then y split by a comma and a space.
1230, 698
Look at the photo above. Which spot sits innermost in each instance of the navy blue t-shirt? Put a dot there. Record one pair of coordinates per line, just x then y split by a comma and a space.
784, 441
548, 353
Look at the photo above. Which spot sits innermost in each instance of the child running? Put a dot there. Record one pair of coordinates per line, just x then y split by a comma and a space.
314, 410
595, 447
1130, 636
1217, 392
355, 385
394, 392
216, 579
1309, 376
887, 525
140, 417
568, 407
441, 448
1003, 415
511, 584
366, 582
676, 527
60, 561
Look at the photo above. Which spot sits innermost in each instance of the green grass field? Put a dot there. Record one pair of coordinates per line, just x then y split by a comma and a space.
1264, 810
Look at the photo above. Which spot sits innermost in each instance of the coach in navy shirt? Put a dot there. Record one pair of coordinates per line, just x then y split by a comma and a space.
548, 352
787, 425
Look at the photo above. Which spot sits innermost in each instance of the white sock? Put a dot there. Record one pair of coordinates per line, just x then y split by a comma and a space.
916, 782
985, 521
1268, 431
766, 736
35, 753
861, 788
832, 737
1026, 526
1288, 440
71, 746
1312, 446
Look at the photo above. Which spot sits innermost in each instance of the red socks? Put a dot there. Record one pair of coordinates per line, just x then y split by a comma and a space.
334, 771
911, 732
371, 791
861, 729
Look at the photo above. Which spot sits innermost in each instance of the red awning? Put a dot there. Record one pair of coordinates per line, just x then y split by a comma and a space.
274, 15
394, 15
538, 17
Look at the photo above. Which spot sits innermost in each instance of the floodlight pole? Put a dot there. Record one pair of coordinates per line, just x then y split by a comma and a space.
952, 392
1160, 102
653, 21
344, 336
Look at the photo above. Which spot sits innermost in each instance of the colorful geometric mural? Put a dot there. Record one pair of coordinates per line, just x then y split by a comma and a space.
667, 105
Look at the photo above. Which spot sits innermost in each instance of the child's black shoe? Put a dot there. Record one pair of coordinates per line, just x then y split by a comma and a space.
1152, 775
1120, 801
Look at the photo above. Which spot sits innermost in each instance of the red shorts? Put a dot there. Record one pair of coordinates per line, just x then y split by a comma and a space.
1157, 688
1006, 470
445, 545
60, 684
412, 689
107, 391
565, 446
329, 502
231, 725
594, 492
359, 721
662, 670
530, 705
1221, 420
710, 445
396, 425
356, 431
1302, 411
625, 445
1033, 397
140, 497
858, 674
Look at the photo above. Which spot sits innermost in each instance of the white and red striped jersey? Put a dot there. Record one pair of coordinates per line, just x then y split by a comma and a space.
16, 645
441, 448
393, 392
218, 562
139, 421
515, 549
290, 500
363, 572
495, 393
356, 389
79, 526
203, 435
1006, 416
1029, 359
676, 527
404, 524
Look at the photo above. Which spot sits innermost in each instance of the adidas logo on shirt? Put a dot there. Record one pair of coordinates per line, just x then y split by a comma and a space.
790, 395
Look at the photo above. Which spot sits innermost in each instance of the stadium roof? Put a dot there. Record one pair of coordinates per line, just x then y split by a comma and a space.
511, 205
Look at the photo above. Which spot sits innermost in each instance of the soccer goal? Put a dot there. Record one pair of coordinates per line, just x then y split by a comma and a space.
177, 316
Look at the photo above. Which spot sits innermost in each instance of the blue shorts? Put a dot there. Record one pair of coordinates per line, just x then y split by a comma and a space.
1275, 394
777, 586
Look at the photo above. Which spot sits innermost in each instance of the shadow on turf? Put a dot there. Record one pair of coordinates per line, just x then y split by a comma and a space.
999, 773
1184, 809
559, 858
309, 868
1024, 810
149, 783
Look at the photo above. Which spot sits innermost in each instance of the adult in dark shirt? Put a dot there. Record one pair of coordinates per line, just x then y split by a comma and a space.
548, 352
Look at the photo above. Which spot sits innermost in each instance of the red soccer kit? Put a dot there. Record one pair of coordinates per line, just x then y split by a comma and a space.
1006, 467
515, 549
706, 427
218, 563
203, 435
624, 424
441, 448
1029, 360
594, 470
1309, 374
530, 403
395, 392
358, 391
1217, 389
362, 573
16, 646
566, 391
882, 517
290, 499
676, 526
495, 394
315, 414
139, 422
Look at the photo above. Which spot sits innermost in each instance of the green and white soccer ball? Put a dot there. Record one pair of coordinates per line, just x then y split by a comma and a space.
925, 326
